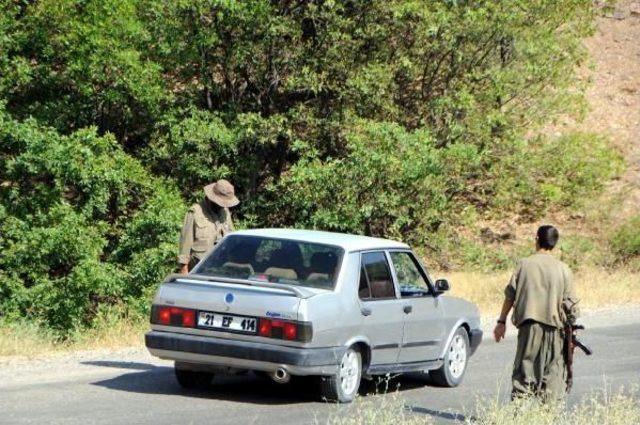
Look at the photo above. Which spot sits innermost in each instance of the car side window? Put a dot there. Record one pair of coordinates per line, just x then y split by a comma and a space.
411, 281
363, 289
375, 277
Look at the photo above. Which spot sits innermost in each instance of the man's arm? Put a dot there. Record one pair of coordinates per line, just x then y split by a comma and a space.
501, 326
507, 304
186, 242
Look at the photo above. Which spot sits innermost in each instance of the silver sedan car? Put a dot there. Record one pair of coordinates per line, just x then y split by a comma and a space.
286, 302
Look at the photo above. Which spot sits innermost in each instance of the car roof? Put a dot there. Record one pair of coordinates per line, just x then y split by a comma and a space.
344, 240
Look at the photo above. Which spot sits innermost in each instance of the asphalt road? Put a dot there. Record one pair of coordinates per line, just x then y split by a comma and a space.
132, 387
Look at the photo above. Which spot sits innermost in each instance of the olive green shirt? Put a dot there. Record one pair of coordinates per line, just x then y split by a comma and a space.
538, 288
203, 228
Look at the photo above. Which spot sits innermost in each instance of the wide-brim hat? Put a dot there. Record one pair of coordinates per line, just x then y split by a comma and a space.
221, 193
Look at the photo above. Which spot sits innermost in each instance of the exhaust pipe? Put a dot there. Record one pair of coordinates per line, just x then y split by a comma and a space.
280, 376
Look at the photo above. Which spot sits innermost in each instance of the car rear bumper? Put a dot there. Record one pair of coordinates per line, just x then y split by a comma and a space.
475, 338
242, 354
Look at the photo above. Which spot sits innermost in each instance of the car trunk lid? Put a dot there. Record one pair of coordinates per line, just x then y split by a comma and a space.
232, 296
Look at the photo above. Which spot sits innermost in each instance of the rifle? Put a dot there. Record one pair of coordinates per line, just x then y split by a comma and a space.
571, 341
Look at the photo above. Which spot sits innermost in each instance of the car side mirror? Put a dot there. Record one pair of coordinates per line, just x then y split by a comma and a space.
442, 285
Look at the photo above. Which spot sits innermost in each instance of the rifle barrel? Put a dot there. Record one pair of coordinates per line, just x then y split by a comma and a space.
583, 347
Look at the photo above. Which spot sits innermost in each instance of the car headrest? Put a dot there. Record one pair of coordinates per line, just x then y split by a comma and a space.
239, 268
324, 262
282, 273
289, 257
242, 253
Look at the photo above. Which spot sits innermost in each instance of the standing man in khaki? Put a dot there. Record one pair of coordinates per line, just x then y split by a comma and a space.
538, 289
206, 223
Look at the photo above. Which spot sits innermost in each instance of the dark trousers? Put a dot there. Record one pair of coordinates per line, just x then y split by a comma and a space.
539, 367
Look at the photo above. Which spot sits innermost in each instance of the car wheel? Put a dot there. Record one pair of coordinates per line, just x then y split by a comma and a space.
343, 386
193, 379
455, 361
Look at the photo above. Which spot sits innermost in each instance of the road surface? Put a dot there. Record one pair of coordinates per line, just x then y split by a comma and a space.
129, 386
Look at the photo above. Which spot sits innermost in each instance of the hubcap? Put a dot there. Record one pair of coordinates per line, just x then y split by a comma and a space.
457, 356
349, 372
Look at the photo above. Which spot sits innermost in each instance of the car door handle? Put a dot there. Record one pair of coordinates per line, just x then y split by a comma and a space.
407, 309
366, 311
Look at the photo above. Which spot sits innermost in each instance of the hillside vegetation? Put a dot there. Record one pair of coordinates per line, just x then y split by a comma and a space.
406, 119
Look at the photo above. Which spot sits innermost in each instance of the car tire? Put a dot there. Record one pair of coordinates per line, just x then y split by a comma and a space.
191, 379
343, 386
451, 373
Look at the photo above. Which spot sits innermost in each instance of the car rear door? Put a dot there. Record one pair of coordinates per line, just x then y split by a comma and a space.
424, 329
380, 307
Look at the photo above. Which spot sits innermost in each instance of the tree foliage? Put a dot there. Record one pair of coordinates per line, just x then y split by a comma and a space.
82, 223
390, 118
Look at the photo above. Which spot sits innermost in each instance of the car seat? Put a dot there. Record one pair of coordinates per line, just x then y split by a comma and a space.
323, 266
285, 262
240, 258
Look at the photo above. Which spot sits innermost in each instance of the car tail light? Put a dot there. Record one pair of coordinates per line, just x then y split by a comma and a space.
288, 330
265, 328
164, 316
173, 316
188, 318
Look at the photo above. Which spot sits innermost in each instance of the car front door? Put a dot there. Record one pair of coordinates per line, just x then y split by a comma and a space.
380, 307
424, 330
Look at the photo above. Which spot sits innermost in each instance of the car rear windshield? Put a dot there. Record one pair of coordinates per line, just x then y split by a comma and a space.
274, 260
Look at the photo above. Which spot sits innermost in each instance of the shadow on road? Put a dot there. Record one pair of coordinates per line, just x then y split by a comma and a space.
439, 414
121, 365
245, 388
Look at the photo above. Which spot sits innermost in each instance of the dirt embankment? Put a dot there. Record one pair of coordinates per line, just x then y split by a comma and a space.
614, 97
612, 77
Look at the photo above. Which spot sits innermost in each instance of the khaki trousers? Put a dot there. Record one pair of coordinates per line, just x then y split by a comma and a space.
539, 368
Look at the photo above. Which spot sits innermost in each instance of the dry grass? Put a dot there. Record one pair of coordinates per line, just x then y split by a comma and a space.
621, 408
599, 408
383, 410
29, 341
596, 288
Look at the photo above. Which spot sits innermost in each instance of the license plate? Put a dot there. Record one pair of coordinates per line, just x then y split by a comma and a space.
207, 319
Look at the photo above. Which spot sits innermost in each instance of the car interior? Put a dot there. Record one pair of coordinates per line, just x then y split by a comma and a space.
375, 277
276, 260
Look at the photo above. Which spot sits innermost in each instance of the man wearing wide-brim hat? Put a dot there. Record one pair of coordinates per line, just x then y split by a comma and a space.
206, 223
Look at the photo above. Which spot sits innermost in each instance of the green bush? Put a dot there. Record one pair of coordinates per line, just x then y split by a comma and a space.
579, 251
74, 64
287, 91
82, 224
555, 173
625, 241
391, 183
385, 118
195, 149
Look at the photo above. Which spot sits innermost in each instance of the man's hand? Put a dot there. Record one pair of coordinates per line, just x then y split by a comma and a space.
184, 269
501, 328
499, 331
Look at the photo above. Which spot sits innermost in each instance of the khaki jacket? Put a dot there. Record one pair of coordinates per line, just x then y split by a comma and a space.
203, 228
539, 287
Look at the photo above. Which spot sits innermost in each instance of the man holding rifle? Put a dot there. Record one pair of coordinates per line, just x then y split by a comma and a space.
542, 297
